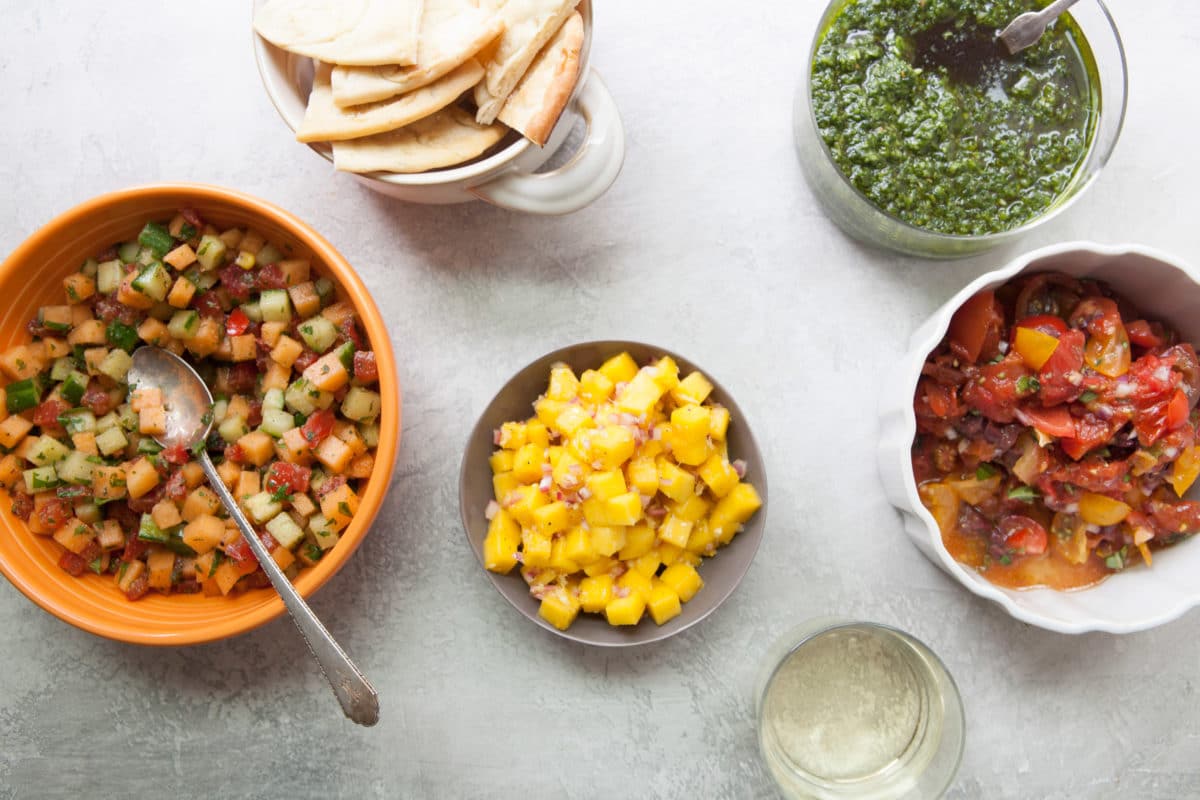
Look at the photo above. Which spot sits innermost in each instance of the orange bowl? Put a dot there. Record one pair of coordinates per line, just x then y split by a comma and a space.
32, 277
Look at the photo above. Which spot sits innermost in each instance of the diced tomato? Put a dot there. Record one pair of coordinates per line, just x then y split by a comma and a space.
305, 360
97, 399
365, 368
349, 329
331, 483
243, 376
145, 503
1060, 377
186, 587
241, 555
1107, 350
46, 415
257, 580
1022, 535
994, 388
175, 454
54, 512
318, 426
1046, 323
107, 254
139, 588
238, 282
235, 454
192, 216
270, 276
109, 309
254, 418
268, 541
1090, 432
1145, 334
36, 328
293, 476
208, 304
135, 548
1177, 410
237, 323
975, 328
22, 505
73, 564
1174, 518
176, 486
1055, 421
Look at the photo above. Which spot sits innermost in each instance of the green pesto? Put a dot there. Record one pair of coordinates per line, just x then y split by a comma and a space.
983, 150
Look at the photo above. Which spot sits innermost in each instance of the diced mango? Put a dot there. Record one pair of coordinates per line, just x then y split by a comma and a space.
512, 435
569, 472
611, 446
693, 508
522, 502
675, 530
577, 547
572, 419
718, 475
606, 485
635, 581
140, 478
663, 603
537, 433
732, 510
702, 541
624, 509
535, 548
675, 483
683, 579
559, 607
666, 373
692, 390
608, 539
642, 474
619, 369
500, 544
640, 395
594, 386
639, 540
551, 519
625, 610
501, 461
595, 593
203, 533
648, 564
558, 557
527, 464
563, 383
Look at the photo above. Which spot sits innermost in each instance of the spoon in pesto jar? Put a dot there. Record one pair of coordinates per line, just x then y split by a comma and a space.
188, 403
1025, 30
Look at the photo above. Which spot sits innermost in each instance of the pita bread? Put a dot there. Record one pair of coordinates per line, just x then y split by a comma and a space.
384, 32
451, 136
289, 23
528, 25
325, 122
451, 32
539, 99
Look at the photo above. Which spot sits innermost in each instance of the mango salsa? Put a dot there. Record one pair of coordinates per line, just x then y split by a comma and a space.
614, 490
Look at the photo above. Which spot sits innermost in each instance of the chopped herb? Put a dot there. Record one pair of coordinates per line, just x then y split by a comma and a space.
1025, 494
1088, 397
199, 447
1006, 559
282, 493
188, 231
984, 471
343, 509
1027, 384
94, 565
1116, 560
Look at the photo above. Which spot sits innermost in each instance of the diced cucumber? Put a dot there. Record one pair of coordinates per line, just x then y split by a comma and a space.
361, 404
74, 385
261, 507
111, 440
317, 478
108, 276
154, 281
146, 256
116, 365
184, 324
48, 450
127, 417
369, 434
162, 311
285, 530
253, 311
324, 535
210, 252
318, 333
304, 398
219, 409
170, 538
88, 512
324, 288
269, 254
128, 252
89, 267
233, 428
276, 305
61, 368
77, 420
118, 334
107, 422
148, 446
276, 422
345, 354
40, 479
273, 399
157, 238
23, 395
75, 468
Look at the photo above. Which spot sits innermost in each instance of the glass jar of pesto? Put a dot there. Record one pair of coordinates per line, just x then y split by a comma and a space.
919, 134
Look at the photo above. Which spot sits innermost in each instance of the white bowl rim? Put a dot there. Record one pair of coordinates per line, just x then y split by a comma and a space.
912, 371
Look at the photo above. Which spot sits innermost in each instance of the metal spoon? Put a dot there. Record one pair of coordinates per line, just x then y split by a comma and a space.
1026, 29
188, 403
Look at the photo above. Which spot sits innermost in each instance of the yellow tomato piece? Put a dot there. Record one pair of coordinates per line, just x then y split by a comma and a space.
1109, 356
1034, 346
1098, 509
1185, 471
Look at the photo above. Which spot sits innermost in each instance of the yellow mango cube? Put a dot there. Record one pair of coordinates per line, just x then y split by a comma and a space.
535, 548
569, 472
573, 419
626, 610
608, 539
619, 369
512, 436
595, 512
551, 518
601, 566
718, 423
718, 475
560, 608
675, 530
500, 544
595, 387
612, 446
641, 394
663, 603
501, 461
563, 383
669, 553
692, 390
537, 433
606, 485
683, 579
693, 508
624, 509
547, 410
648, 564
595, 593
636, 582
689, 434
702, 541
666, 373
524, 500
732, 510
527, 463
675, 483
642, 475
577, 546
639, 540
503, 484
558, 557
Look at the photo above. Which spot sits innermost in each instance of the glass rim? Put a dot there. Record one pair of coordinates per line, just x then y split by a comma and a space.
1061, 204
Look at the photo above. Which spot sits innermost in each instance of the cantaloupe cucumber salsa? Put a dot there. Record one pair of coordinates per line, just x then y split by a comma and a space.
294, 419
611, 494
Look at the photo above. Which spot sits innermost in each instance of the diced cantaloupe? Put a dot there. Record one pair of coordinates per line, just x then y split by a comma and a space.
140, 478
339, 506
203, 532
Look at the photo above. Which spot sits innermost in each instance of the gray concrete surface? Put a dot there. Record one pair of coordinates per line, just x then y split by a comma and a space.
711, 244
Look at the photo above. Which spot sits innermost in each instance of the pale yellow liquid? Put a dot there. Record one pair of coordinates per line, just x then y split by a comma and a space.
851, 706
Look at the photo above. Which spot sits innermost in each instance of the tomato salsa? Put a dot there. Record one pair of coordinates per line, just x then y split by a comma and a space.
1056, 433
294, 418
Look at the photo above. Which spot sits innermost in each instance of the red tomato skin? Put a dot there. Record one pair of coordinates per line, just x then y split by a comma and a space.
237, 323
975, 328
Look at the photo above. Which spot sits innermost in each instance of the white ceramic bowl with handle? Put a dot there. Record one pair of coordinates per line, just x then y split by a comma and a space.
506, 177
1162, 287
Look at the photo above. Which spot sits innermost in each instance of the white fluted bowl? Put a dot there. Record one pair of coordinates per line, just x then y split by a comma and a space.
1137, 599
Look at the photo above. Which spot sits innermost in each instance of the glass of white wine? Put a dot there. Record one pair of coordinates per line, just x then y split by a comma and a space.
858, 710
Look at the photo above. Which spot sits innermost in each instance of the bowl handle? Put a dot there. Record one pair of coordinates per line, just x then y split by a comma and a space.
581, 180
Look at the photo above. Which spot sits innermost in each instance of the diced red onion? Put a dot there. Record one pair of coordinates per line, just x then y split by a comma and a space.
585, 493
545, 484
496, 437
739, 467
493, 508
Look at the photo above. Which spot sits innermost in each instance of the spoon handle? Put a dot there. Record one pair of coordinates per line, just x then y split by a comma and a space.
1051, 12
354, 692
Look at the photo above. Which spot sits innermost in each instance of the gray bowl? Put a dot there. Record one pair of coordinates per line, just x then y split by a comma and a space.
722, 573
